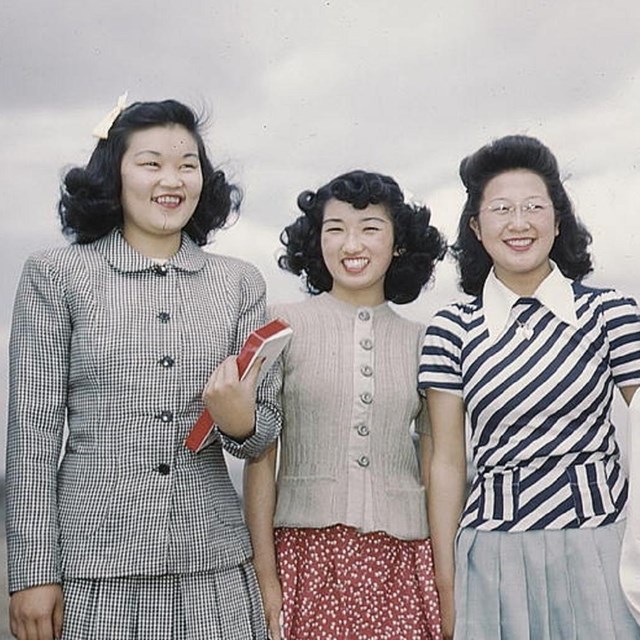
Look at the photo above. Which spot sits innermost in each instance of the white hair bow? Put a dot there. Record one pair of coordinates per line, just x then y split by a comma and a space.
101, 130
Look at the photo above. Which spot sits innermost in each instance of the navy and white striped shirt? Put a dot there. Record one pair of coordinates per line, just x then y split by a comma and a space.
538, 397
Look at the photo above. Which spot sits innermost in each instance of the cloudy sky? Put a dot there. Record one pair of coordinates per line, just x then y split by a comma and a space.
300, 90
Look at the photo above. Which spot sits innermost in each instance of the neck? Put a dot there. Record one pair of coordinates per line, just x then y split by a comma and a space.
162, 247
359, 298
524, 284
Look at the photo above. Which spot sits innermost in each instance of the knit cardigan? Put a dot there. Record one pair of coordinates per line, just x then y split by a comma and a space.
349, 399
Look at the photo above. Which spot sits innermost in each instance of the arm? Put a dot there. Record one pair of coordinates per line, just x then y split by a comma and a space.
630, 553
447, 485
628, 393
39, 364
249, 419
423, 429
259, 507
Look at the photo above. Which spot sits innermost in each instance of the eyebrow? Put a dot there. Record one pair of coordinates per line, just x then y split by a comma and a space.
375, 219
367, 219
538, 195
158, 154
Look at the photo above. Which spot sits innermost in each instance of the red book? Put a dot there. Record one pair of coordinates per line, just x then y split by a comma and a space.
267, 342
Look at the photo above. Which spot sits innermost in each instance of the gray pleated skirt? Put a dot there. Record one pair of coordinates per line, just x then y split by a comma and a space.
224, 605
541, 585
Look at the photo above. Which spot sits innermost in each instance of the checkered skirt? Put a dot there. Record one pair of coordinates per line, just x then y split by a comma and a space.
212, 605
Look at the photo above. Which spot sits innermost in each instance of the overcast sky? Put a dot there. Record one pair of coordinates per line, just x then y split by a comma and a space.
301, 90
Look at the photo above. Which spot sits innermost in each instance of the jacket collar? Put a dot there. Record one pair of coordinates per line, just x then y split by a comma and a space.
554, 292
123, 257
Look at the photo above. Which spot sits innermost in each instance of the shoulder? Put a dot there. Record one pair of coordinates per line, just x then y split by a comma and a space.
61, 260
234, 270
405, 325
462, 312
602, 299
231, 264
294, 311
455, 323
60, 254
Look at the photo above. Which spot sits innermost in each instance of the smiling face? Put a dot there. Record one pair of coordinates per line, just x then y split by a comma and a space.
161, 186
517, 227
357, 248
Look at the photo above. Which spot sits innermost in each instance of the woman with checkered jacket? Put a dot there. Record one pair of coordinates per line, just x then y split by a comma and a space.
126, 335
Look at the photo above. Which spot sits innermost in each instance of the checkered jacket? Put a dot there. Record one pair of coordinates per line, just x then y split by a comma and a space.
121, 348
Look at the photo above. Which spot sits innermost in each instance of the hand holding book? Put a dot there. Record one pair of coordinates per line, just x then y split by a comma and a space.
231, 401
263, 344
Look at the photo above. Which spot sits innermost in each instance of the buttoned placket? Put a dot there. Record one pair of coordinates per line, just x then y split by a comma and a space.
167, 364
360, 488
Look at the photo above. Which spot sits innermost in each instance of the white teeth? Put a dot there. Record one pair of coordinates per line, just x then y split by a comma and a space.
168, 200
355, 263
520, 242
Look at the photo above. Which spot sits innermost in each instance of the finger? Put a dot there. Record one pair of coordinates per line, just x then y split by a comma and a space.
16, 628
44, 627
58, 613
254, 372
274, 631
30, 630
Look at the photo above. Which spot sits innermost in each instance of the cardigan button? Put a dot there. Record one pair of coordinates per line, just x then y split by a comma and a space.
160, 269
165, 416
364, 315
164, 317
366, 397
362, 430
364, 462
366, 344
163, 469
366, 370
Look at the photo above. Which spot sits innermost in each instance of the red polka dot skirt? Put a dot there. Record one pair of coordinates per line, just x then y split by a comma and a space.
339, 584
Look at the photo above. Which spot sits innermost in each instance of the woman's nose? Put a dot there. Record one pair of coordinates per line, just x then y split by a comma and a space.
170, 178
519, 219
352, 243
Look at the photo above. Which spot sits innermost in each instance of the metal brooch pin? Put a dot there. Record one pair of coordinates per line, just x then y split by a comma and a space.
524, 330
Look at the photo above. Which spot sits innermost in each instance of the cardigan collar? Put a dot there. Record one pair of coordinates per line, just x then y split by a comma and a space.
554, 292
123, 257
349, 309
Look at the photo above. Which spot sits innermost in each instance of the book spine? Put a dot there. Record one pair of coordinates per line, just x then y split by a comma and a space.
201, 431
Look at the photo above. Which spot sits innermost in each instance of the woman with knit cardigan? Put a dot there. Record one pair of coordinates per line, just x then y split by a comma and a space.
341, 545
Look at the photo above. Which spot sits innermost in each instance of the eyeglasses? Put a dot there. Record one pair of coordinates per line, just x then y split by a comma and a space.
504, 208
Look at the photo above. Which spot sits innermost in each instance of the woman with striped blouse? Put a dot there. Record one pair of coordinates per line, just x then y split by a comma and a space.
531, 362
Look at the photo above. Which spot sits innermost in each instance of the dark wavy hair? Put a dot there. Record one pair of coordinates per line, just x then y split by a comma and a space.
418, 244
90, 206
570, 248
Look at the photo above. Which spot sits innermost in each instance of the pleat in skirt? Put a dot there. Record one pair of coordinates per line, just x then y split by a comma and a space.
215, 605
541, 585
340, 584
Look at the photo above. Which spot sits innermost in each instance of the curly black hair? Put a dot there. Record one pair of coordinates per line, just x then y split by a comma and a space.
90, 206
418, 244
570, 248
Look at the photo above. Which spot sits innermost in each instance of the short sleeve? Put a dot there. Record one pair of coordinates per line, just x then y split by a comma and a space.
622, 319
441, 357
